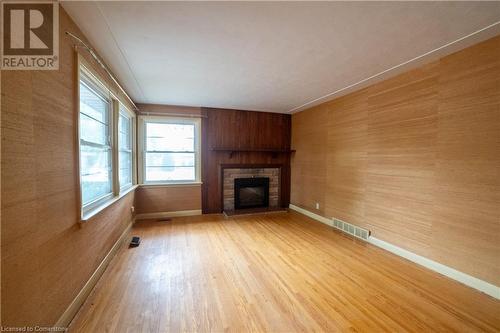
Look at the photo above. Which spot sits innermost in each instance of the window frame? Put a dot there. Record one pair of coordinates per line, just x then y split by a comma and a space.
123, 110
92, 83
116, 106
142, 121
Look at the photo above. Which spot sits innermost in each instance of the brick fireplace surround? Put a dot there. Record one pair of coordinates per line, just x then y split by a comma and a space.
229, 174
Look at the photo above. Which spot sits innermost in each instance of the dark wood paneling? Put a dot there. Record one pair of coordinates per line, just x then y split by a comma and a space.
244, 130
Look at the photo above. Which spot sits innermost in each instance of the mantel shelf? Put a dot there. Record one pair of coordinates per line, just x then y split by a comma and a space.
273, 151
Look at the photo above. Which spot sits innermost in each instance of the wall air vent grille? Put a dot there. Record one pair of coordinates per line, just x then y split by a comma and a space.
351, 229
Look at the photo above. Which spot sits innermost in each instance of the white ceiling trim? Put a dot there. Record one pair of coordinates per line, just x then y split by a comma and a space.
456, 45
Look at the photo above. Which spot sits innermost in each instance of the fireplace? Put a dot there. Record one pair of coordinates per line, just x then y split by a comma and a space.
231, 173
251, 192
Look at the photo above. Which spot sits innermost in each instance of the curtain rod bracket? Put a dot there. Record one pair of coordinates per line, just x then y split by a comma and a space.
102, 64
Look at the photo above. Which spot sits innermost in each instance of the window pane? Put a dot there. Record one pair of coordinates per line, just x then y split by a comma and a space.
94, 118
92, 130
124, 124
124, 135
123, 141
125, 159
95, 186
94, 158
95, 169
170, 173
170, 159
169, 137
125, 177
125, 168
92, 104
125, 146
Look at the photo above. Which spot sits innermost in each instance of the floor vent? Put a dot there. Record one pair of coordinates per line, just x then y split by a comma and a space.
351, 229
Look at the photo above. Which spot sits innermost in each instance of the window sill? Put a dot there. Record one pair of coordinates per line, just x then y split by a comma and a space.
90, 214
170, 184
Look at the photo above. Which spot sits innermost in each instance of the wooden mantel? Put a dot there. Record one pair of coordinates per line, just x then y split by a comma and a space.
273, 151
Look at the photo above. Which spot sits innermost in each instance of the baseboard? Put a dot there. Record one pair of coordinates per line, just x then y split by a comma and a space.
468, 280
312, 215
159, 215
73, 308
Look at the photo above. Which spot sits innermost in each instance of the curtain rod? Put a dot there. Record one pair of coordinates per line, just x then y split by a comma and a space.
185, 115
100, 62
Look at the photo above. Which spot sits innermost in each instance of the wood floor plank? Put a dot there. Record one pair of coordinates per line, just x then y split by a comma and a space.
279, 272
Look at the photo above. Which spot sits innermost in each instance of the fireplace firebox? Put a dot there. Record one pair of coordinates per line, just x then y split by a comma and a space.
251, 192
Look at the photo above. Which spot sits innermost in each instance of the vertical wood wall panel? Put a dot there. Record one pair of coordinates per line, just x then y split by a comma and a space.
346, 158
310, 137
401, 152
415, 159
467, 199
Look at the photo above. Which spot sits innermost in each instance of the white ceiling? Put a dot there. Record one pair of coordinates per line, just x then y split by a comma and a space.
271, 56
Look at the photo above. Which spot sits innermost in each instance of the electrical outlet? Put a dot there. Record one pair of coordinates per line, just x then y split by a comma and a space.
317, 205
132, 209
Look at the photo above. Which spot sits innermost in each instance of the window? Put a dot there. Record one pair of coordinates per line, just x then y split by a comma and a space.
170, 150
125, 142
106, 137
95, 143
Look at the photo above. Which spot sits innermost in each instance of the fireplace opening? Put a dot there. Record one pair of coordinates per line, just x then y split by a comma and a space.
251, 192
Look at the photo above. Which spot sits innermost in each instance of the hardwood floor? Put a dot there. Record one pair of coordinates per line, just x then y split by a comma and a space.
278, 272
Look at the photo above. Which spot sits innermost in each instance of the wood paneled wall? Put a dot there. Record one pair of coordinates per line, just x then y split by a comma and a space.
223, 128
415, 159
158, 199
47, 256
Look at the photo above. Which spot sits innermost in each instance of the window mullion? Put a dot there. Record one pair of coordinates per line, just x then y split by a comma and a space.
114, 144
